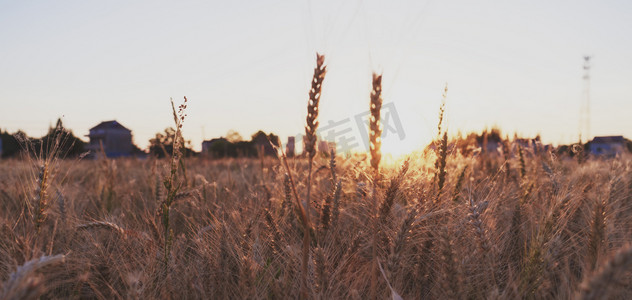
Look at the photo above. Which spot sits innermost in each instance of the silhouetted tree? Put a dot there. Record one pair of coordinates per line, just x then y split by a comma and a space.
233, 146
162, 144
60, 140
10, 145
234, 136
262, 140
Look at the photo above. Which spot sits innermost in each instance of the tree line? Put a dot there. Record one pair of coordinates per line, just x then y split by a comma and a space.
63, 141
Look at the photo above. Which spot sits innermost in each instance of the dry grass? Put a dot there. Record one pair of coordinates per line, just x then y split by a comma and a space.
437, 226
235, 241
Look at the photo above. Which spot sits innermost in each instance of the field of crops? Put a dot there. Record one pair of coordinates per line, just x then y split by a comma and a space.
534, 226
517, 222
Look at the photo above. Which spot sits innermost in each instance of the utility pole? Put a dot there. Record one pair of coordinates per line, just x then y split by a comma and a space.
584, 113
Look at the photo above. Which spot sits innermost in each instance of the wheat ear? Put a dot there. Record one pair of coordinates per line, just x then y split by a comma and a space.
375, 133
21, 285
103, 225
375, 128
596, 286
310, 148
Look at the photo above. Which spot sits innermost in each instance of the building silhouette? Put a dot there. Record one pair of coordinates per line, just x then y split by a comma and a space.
111, 137
290, 146
607, 146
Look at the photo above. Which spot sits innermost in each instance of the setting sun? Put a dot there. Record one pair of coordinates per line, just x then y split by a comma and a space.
358, 149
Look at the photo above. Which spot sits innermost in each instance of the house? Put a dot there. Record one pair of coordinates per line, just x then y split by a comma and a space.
608, 146
114, 138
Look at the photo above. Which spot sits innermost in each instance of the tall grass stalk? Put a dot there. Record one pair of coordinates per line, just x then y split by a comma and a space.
375, 139
310, 149
45, 158
172, 183
441, 146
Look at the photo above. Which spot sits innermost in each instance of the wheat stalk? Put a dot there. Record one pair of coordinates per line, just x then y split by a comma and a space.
451, 281
458, 186
310, 148
286, 205
398, 245
596, 286
61, 205
391, 192
103, 225
481, 236
312, 106
523, 167
172, 186
441, 145
21, 285
325, 214
276, 234
375, 140
597, 234
335, 211
320, 270
375, 127
332, 165
41, 195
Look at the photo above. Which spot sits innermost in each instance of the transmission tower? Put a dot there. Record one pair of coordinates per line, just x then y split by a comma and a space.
584, 113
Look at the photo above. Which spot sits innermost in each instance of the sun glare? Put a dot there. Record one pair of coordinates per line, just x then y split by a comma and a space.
411, 140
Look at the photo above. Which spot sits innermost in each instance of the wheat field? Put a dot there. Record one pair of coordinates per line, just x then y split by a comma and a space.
437, 224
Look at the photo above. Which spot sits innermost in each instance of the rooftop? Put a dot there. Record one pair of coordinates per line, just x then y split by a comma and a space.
608, 139
109, 125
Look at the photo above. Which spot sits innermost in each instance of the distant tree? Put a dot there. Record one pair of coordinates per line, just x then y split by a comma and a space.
222, 148
265, 141
261, 136
487, 135
162, 144
137, 151
628, 145
245, 149
467, 144
234, 136
258, 135
10, 145
233, 145
274, 139
60, 140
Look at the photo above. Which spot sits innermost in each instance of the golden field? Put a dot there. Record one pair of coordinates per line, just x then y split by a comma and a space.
515, 222
560, 231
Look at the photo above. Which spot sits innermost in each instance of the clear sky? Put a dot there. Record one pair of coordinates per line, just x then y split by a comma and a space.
247, 65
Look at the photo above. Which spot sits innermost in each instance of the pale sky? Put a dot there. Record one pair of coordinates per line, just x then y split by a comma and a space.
247, 65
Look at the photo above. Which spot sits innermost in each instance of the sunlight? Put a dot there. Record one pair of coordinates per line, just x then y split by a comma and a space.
396, 147
410, 140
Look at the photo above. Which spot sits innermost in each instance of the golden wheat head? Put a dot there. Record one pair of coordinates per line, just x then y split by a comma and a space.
375, 128
312, 106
